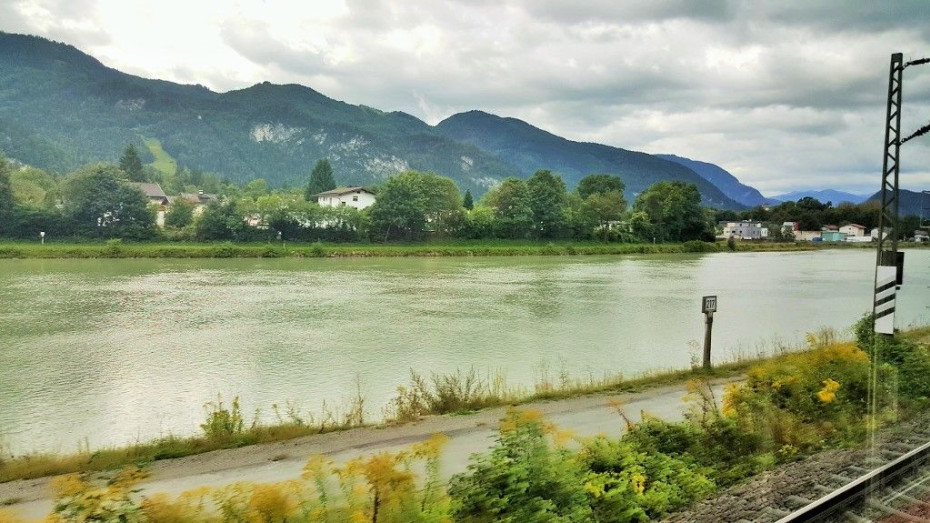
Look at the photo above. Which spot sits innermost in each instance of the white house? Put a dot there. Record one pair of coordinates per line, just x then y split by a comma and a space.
885, 233
853, 229
745, 230
357, 197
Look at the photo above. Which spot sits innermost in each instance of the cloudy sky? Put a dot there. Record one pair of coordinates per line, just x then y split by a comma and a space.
786, 94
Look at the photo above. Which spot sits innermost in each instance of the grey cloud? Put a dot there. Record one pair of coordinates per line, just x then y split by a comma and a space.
630, 12
72, 22
784, 94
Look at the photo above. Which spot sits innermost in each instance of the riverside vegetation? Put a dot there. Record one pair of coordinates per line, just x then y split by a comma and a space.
116, 248
98, 203
789, 406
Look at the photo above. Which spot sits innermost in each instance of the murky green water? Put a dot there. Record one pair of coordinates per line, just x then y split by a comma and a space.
113, 351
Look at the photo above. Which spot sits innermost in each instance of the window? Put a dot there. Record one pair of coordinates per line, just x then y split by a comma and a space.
355, 198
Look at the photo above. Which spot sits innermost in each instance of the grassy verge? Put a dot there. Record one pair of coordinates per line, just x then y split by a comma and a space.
457, 393
119, 249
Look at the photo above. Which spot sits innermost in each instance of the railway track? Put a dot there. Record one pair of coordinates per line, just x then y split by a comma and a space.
896, 490
889, 484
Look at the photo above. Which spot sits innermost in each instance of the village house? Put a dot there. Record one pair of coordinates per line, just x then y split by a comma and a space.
832, 236
853, 229
807, 236
745, 230
199, 200
885, 232
356, 197
156, 196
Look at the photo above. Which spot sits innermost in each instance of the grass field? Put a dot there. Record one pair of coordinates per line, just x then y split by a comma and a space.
163, 161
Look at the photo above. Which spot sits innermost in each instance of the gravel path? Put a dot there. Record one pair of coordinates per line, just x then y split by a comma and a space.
585, 416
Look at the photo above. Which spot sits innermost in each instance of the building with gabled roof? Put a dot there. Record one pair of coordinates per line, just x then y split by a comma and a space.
356, 197
152, 191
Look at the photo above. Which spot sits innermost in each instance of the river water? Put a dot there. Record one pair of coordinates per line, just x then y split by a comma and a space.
106, 352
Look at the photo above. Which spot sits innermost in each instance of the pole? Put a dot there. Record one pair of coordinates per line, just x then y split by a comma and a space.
708, 327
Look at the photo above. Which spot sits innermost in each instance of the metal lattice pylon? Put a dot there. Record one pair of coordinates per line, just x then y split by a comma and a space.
887, 257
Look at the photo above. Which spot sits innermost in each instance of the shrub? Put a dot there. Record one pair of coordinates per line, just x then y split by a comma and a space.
222, 422
78, 500
522, 478
629, 484
317, 250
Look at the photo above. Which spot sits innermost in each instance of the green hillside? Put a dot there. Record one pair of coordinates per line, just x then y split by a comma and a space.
530, 148
61, 109
276, 132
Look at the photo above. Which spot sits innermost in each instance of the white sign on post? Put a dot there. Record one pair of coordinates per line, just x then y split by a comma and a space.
709, 304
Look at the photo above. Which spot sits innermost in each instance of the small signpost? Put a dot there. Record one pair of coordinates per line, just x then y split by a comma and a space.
708, 307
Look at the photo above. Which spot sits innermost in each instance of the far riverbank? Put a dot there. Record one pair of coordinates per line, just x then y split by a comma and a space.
120, 249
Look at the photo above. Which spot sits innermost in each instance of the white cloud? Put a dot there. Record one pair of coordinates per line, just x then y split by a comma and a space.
785, 95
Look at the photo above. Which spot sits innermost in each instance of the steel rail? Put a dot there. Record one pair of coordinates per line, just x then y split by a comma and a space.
857, 490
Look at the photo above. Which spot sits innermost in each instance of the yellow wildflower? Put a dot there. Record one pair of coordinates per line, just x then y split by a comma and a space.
828, 393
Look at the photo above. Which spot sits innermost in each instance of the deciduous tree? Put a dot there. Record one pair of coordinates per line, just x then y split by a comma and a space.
605, 208
673, 210
546, 199
99, 203
180, 214
600, 184
513, 216
6, 198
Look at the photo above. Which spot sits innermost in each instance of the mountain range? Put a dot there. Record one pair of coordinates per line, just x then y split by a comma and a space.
61, 108
910, 203
828, 195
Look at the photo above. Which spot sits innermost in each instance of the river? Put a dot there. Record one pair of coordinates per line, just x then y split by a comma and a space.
108, 352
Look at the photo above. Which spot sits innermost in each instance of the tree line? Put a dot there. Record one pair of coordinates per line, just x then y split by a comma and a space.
96, 202
812, 215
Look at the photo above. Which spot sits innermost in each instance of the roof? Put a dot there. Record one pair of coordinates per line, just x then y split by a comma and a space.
339, 191
151, 190
197, 198
856, 225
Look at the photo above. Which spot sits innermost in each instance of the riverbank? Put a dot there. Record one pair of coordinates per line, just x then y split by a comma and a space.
119, 249
419, 400
261, 469
285, 460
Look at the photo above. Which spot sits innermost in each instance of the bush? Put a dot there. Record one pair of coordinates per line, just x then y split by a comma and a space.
222, 422
629, 484
698, 246
522, 479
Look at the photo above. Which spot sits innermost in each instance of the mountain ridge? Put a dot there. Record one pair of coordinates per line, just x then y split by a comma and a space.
726, 182
520, 143
823, 195
273, 131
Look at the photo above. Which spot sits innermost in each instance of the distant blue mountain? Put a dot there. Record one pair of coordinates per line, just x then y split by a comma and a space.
827, 195
724, 181
912, 203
